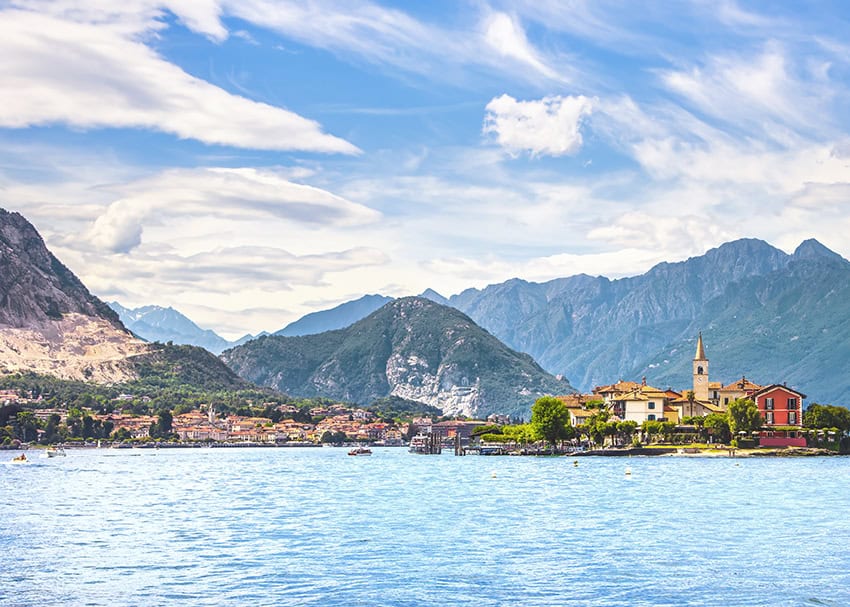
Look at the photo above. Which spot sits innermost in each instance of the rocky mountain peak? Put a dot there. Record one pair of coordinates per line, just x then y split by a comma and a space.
812, 249
35, 286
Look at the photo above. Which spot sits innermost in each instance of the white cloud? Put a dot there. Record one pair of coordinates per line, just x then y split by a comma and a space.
95, 75
214, 192
506, 36
545, 127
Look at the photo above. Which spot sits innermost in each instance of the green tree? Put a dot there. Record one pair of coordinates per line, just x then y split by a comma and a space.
27, 426
164, 421
716, 425
550, 420
743, 416
122, 434
626, 430
651, 428
519, 433
827, 416
51, 430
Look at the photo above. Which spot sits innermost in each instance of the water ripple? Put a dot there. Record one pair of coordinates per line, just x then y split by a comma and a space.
314, 527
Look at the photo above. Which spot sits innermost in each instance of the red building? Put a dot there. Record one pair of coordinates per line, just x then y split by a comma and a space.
780, 406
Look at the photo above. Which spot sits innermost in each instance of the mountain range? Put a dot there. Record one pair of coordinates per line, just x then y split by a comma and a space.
771, 316
411, 348
765, 314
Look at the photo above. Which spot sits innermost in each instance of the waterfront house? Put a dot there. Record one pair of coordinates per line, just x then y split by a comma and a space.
780, 405
643, 404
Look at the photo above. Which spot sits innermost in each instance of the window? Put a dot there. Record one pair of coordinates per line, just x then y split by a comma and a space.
792, 403
726, 400
699, 370
792, 417
650, 405
768, 403
769, 417
651, 417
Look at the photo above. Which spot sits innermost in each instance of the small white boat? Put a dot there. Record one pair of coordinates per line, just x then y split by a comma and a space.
55, 452
360, 451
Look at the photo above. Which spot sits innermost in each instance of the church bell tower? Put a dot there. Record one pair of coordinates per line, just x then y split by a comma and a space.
700, 371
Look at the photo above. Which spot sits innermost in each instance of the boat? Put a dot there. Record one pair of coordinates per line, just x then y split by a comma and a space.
425, 444
360, 451
21, 459
55, 452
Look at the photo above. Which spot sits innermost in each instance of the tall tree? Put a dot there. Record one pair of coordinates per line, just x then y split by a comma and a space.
827, 416
550, 420
743, 416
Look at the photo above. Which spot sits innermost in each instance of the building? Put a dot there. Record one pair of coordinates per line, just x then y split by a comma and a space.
780, 405
742, 388
577, 407
644, 404
700, 374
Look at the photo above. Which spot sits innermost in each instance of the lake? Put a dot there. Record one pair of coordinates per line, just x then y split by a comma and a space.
317, 527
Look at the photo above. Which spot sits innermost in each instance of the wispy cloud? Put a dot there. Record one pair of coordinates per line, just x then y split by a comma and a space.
88, 75
222, 193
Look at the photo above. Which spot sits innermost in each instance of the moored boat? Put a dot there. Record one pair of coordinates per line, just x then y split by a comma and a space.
360, 451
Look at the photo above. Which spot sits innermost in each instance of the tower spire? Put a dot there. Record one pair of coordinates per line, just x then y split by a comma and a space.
700, 355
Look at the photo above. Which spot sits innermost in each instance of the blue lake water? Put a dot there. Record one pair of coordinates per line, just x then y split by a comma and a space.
317, 527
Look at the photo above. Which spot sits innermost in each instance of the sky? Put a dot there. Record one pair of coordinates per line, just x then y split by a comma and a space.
250, 161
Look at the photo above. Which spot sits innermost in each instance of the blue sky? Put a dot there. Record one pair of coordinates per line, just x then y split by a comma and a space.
251, 161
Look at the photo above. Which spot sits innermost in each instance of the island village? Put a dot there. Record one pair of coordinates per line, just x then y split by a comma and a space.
634, 415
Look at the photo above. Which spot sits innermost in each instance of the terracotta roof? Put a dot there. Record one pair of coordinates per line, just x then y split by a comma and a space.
576, 400
783, 387
742, 384
620, 386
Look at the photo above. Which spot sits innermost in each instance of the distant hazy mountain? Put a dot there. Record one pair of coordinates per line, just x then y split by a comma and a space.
155, 323
50, 323
339, 317
412, 348
435, 297
763, 313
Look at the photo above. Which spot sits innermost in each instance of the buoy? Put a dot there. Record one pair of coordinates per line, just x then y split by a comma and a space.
575, 463
492, 475
628, 471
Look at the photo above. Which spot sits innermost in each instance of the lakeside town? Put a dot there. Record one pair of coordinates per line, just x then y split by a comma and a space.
624, 416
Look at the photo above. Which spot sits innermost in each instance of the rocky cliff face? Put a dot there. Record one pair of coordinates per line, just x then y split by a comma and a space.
50, 323
34, 285
412, 348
